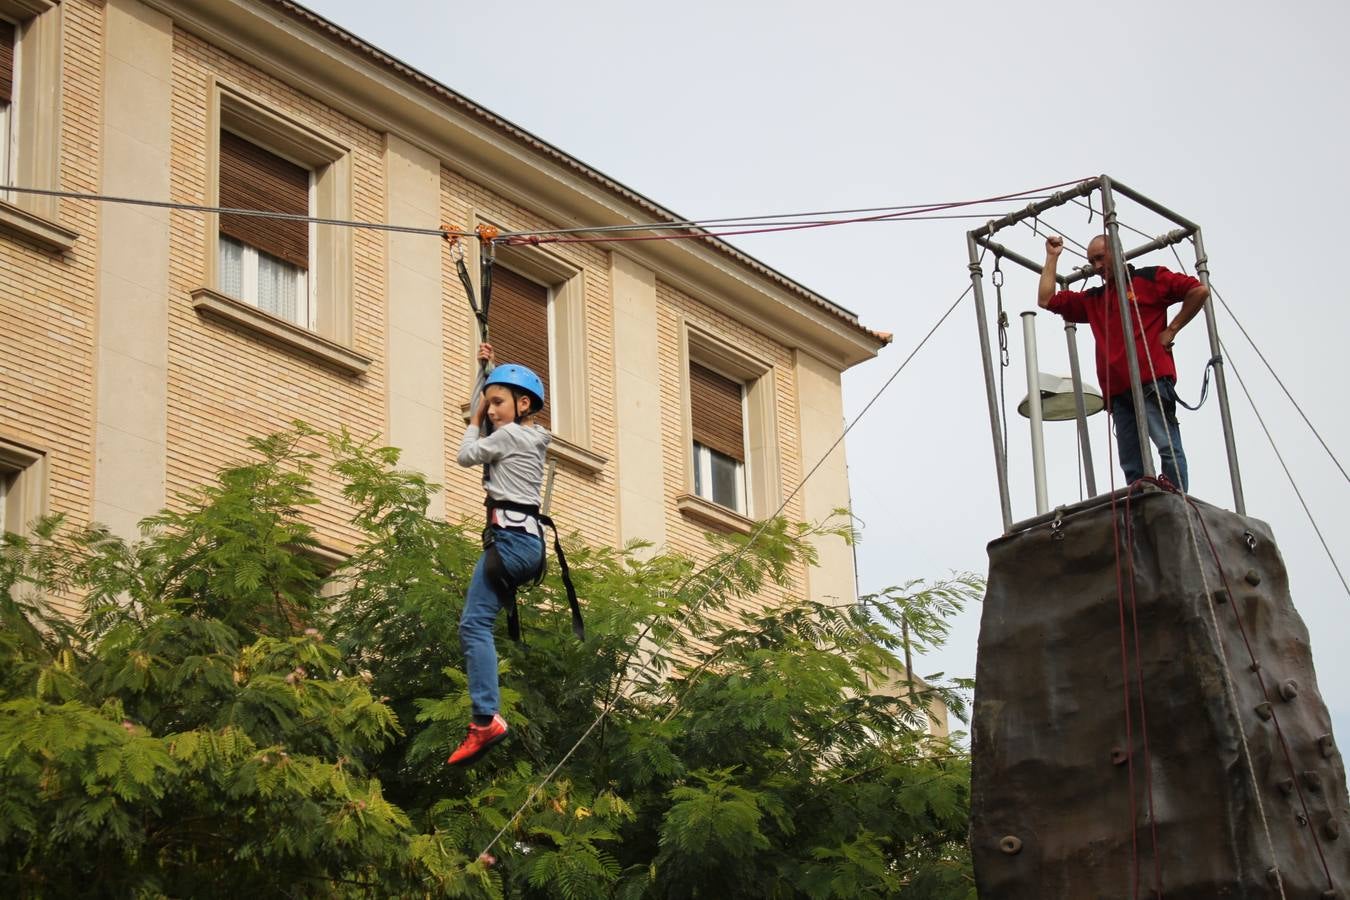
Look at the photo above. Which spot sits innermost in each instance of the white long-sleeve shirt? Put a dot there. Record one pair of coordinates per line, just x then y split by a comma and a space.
516, 455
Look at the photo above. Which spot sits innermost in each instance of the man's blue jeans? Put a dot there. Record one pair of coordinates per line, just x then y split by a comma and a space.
521, 555
1163, 430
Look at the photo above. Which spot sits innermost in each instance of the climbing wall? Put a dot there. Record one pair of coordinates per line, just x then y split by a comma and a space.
1077, 794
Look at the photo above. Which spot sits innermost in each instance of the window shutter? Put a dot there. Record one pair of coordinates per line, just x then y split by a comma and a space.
715, 408
253, 178
518, 326
7, 35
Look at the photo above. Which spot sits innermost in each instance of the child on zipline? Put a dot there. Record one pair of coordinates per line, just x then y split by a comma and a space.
512, 457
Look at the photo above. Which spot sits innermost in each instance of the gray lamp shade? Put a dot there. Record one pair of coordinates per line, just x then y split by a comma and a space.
1057, 402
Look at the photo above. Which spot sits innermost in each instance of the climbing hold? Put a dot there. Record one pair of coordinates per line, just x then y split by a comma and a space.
1255, 666
1253, 576
1326, 745
1313, 781
1010, 844
1273, 875
1264, 711
1220, 596
1289, 690
1332, 829
1118, 757
1287, 786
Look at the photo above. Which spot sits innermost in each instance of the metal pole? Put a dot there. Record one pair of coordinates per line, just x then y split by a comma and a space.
1123, 293
999, 250
1176, 236
1000, 467
1084, 439
1220, 382
1034, 410
1154, 205
1058, 198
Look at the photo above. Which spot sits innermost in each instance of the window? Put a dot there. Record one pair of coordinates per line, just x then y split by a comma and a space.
265, 262
289, 282
518, 323
23, 483
30, 119
538, 319
730, 432
717, 416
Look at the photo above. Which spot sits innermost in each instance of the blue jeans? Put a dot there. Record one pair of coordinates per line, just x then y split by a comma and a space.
521, 555
1163, 430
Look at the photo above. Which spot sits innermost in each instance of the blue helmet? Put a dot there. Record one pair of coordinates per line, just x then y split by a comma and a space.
522, 379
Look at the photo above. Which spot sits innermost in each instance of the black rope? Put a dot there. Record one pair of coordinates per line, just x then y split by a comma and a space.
1216, 360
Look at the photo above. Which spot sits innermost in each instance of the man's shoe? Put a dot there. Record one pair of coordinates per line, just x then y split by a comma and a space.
480, 740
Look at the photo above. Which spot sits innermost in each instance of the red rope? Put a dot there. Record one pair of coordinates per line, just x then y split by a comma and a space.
1139, 672
703, 233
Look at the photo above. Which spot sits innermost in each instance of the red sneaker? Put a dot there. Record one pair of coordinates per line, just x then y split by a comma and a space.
480, 740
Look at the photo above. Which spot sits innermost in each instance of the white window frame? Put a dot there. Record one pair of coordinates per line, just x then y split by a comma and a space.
23, 486
703, 459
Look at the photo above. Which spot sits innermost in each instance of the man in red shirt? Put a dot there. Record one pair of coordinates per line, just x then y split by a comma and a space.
1154, 289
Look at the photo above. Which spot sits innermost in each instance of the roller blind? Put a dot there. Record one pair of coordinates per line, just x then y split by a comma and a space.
254, 178
715, 408
518, 325
7, 35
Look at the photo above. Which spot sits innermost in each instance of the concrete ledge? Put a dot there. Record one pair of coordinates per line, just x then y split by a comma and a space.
42, 231
705, 511
568, 452
293, 337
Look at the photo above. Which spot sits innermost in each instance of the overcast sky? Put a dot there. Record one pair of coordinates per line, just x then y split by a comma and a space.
1231, 113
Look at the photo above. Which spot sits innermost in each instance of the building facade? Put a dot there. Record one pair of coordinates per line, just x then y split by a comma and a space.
690, 386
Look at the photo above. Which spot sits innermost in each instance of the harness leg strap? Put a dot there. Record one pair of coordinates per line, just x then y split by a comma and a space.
502, 585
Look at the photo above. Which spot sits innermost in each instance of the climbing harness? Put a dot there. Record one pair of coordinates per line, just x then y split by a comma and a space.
524, 517
517, 516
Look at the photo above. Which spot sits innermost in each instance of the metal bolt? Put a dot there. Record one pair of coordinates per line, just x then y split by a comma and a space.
1289, 690
1301, 819
1255, 666
1313, 781
1264, 711
1251, 541
1253, 577
1011, 844
1326, 745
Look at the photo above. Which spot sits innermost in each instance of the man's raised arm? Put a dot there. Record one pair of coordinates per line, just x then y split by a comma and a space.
1054, 246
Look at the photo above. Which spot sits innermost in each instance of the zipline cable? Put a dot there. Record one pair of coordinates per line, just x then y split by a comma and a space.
753, 224
1280, 382
609, 706
1269, 437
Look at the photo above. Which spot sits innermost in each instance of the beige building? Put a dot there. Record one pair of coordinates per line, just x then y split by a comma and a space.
690, 386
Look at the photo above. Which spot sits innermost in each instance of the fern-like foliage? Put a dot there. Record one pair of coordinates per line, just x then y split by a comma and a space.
229, 716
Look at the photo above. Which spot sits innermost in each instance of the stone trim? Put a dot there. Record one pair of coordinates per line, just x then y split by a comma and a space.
292, 337
36, 228
694, 507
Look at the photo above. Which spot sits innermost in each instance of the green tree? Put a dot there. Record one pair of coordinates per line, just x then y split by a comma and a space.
224, 716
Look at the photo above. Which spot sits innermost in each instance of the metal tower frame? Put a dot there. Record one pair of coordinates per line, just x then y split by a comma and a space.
983, 237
